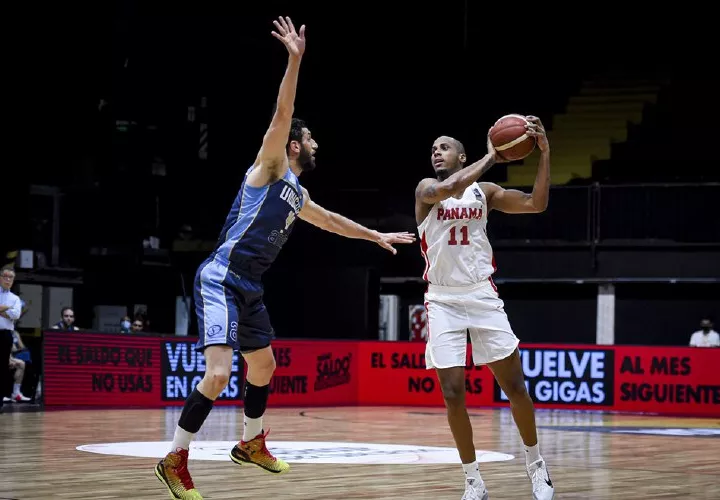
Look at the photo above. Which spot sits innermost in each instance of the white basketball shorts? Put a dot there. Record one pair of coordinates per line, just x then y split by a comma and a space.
452, 312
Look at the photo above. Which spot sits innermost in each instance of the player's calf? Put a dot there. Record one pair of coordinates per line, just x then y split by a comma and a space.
509, 375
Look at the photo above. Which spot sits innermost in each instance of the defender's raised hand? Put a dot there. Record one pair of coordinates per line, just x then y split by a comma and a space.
294, 42
386, 240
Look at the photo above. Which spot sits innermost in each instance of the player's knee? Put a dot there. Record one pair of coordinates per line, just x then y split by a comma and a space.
217, 378
265, 366
454, 394
516, 390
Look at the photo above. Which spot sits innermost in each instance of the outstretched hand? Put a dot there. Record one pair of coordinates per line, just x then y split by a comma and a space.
294, 42
386, 240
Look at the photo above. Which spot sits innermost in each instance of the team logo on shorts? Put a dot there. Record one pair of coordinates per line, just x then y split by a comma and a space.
214, 331
233, 330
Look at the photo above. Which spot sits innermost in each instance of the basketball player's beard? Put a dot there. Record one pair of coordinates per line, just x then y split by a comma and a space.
444, 173
306, 161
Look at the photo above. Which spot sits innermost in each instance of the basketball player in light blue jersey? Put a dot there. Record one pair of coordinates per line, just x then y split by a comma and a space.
228, 288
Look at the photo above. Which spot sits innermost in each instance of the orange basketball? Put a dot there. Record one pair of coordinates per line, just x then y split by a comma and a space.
509, 137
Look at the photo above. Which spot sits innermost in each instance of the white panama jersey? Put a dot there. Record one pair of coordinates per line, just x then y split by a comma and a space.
454, 241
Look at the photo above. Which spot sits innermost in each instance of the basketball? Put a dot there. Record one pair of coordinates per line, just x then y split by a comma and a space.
509, 138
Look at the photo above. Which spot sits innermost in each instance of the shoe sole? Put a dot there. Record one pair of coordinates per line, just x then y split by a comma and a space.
162, 479
240, 461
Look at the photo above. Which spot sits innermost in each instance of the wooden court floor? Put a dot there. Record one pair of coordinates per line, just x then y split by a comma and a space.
590, 455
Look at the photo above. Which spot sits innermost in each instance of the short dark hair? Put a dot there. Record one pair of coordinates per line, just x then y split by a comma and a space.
459, 146
296, 130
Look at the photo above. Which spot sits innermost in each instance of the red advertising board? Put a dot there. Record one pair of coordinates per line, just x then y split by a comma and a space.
100, 370
394, 373
127, 370
668, 380
314, 373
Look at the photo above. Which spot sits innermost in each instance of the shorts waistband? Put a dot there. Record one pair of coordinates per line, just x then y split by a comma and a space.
232, 267
455, 289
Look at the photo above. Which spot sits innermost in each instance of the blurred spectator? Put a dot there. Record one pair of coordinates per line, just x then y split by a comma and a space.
138, 325
20, 354
706, 336
10, 310
68, 320
125, 325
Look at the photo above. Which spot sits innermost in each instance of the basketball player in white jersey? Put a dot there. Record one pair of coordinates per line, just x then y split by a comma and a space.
452, 211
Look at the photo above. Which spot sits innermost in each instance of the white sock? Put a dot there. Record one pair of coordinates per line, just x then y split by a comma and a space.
532, 454
16, 389
472, 471
182, 439
253, 427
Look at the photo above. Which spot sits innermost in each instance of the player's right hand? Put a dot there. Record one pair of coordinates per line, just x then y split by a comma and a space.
387, 240
294, 42
491, 151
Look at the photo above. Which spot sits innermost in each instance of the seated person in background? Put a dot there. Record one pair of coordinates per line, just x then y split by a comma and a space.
138, 325
706, 336
68, 320
18, 365
125, 325
18, 350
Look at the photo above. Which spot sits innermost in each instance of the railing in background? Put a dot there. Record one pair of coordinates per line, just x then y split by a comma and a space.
643, 214
633, 214
638, 214
658, 213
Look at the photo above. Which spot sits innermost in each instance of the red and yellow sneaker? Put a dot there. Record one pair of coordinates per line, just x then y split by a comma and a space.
254, 452
173, 472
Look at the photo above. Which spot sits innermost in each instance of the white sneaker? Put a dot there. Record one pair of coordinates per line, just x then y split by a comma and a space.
475, 490
542, 486
6, 399
20, 398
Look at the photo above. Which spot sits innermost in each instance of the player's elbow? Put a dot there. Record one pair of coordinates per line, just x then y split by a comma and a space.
331, 222
447, 188
539, 206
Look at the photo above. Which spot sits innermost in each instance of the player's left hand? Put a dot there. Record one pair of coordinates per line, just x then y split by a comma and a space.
387, 240
294, 42
535, 129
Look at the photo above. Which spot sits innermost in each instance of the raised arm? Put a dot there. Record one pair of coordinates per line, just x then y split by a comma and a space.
430, 191
335, 223
271, 162
512, 201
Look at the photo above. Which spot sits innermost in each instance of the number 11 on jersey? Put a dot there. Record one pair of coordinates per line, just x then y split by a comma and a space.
464, 234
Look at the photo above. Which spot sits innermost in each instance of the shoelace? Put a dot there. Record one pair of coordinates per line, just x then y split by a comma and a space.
183, 472
470, 493
263, 448
538, 477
